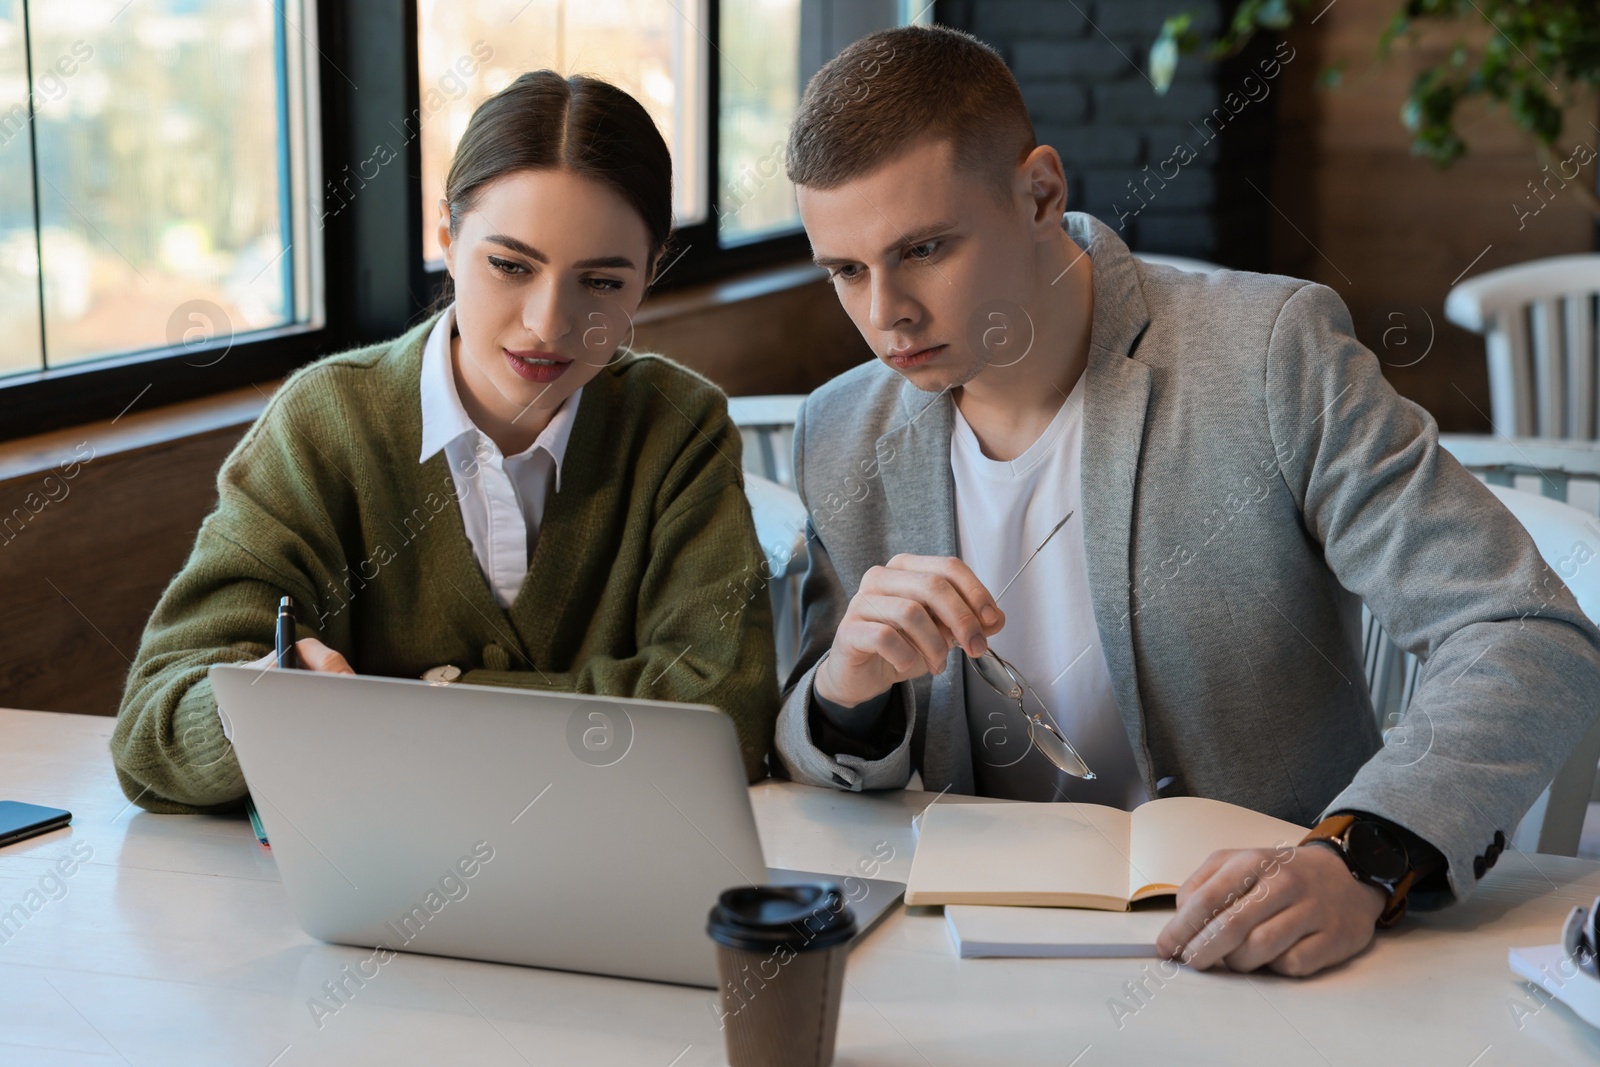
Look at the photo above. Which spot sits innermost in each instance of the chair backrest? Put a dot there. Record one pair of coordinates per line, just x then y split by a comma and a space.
780, 524
1559, 466
780, 519
1569, 541
1567, 538
1539, 325
767, 425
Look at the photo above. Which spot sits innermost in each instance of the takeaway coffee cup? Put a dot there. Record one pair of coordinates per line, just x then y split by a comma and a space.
781, 952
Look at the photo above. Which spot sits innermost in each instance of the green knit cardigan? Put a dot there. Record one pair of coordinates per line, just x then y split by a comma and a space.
630, 588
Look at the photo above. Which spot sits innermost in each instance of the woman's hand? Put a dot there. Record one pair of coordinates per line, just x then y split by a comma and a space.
314, 656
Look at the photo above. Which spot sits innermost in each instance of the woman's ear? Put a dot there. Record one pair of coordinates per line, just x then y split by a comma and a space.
445, 236
654, 270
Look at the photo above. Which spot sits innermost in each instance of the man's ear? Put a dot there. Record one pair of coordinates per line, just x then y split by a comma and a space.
1046, 183
445, 237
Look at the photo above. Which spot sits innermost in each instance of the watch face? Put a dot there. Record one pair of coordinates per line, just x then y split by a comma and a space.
1377, 851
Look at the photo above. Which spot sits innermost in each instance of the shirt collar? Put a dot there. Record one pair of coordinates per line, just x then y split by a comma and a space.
444, 419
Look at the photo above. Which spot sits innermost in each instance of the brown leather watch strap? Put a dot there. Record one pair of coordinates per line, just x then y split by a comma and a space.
1395, 910
1332, 830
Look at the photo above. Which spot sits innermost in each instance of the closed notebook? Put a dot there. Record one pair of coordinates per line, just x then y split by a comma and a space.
980, 930
1077, 855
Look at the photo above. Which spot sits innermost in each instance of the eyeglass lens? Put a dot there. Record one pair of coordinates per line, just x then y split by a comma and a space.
1006, 680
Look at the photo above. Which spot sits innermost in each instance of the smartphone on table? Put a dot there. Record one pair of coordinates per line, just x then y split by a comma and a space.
19, 821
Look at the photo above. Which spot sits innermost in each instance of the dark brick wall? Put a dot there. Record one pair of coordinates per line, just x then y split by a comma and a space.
1167, 171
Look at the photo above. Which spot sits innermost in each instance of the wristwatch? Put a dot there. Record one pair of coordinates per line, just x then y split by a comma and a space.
1375, 853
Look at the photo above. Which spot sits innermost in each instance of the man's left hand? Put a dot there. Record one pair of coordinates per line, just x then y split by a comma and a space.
1295, 910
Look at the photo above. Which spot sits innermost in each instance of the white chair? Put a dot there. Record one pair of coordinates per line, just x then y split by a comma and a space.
781, 528
1557, 466
1538, 322
1194, 266
767, 425
1555, 822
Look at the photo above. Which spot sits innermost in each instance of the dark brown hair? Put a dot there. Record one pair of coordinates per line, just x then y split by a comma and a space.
580, 124
894, 87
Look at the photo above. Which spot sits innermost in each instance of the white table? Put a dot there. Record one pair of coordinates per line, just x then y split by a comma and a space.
173, 945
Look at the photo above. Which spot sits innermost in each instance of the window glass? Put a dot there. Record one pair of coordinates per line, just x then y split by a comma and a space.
19, 250
760, 89
652, 49
162, 164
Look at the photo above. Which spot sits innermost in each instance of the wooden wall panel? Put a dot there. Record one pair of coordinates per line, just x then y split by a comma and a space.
82, 575
789, 339
1391, 232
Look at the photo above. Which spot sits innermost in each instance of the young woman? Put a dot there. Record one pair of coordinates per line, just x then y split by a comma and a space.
504, 495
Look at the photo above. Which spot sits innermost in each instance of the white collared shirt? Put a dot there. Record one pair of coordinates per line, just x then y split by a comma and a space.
502, 497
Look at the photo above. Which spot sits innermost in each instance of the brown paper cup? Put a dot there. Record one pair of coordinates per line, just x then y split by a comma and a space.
783, 976
790, 1021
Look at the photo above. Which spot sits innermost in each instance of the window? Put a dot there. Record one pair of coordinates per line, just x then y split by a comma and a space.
662, 52
154, 170
645, 47
761, 86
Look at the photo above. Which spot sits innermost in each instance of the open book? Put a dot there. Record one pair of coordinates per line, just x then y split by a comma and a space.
1077, 855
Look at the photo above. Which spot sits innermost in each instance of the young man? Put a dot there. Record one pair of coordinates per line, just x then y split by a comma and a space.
1240, 478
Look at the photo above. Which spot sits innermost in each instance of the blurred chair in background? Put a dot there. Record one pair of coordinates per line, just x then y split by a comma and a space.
1568, 471
767, 425
1538, 322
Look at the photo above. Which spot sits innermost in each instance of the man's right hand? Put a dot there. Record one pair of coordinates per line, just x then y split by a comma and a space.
902, 624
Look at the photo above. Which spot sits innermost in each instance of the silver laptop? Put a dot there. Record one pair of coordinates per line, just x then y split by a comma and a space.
548, 829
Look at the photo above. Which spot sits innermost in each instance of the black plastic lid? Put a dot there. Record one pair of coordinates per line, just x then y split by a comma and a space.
760, 918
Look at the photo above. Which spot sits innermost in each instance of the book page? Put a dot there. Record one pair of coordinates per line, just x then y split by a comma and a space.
1171, 837
1022, 854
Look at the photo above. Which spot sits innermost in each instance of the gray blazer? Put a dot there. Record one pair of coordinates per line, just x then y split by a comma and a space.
1249, 479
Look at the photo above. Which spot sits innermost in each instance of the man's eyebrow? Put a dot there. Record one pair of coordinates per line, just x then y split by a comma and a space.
925, 233
524, 248
916, 237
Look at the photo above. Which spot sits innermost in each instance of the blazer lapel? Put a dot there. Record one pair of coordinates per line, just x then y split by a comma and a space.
1116, 397
914, 461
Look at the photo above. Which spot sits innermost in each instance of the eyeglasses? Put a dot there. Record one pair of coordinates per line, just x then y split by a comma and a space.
1006, 680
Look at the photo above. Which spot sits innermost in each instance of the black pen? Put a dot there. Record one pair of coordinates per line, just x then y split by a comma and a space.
283, 637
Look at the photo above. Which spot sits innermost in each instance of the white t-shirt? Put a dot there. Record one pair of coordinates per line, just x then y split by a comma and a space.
1003, 511
502, 497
